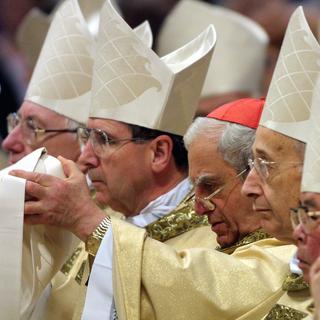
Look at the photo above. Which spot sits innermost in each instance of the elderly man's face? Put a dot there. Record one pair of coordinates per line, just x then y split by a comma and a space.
307, 235
277, 192
18, 143
232, 218
120, 176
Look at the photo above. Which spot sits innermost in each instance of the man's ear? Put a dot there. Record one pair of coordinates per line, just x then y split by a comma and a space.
161, 154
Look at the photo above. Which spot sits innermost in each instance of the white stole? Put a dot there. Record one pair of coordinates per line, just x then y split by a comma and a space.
28, 252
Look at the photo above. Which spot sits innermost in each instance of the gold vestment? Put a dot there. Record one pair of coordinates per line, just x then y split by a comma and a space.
181, 228
295, 303
162, 283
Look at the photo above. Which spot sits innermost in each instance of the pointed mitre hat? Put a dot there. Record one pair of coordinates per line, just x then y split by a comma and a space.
240, 55
62, 77
311, 166
34, 27
133, 85
31, 34
288, 102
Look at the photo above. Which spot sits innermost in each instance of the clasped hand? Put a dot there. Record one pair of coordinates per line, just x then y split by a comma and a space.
64, 203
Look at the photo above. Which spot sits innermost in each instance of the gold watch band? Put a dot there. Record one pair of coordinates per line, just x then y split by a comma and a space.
94, 240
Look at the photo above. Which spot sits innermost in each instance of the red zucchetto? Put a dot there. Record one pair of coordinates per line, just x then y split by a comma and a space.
245, 112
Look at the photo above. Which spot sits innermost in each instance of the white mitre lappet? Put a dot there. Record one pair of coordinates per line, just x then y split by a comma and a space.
133, 85
311, 166
31, 254
62, 78
288, 102
239, 59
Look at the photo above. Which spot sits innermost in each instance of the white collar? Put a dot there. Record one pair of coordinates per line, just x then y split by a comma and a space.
162, 205
294, 268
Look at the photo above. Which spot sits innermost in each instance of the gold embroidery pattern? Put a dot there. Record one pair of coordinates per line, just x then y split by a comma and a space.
250, 238
80, 273
178, 221
281, 312
70, 262
311, 308
294, 282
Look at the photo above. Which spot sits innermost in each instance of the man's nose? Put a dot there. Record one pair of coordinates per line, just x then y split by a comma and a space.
87, 159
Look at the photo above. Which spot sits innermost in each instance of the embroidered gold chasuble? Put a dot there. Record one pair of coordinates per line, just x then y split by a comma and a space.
182, 228
295, 303
162, 283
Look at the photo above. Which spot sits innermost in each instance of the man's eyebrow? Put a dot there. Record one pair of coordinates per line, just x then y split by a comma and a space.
208, 179
261, 154
309, 203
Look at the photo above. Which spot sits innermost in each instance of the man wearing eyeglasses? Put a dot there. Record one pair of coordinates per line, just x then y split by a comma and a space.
278, 151
56, 104
219, 171
306, 217
57, 98
55, 109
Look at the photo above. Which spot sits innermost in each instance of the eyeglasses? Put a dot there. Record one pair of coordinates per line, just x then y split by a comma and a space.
206, 201
263, 166
100, 141
30, 129
308, 219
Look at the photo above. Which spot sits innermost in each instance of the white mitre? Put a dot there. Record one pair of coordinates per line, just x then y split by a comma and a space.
33, 254
62, 78
288, 102
311, 166
239, 59
31, 34
34, 27
133, 85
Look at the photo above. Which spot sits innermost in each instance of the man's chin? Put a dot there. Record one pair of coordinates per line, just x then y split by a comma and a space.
305, 269
225, 241
101, 200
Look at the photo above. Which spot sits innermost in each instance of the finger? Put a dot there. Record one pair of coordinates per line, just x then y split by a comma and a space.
36, 177
70, 168
34, 190
34, 208
34, 219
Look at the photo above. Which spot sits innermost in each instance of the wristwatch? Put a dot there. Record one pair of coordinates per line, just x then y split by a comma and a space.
94, 240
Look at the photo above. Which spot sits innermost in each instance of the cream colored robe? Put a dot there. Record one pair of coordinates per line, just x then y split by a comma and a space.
161, 283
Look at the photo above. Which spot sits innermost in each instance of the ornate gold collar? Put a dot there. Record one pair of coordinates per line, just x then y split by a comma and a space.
182, 219
249, 238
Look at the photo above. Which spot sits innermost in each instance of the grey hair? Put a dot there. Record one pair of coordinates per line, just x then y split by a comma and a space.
234, 140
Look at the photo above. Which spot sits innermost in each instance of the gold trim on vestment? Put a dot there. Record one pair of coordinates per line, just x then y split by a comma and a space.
281, 312
294, 282
182, 219
249, 238
66, 268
